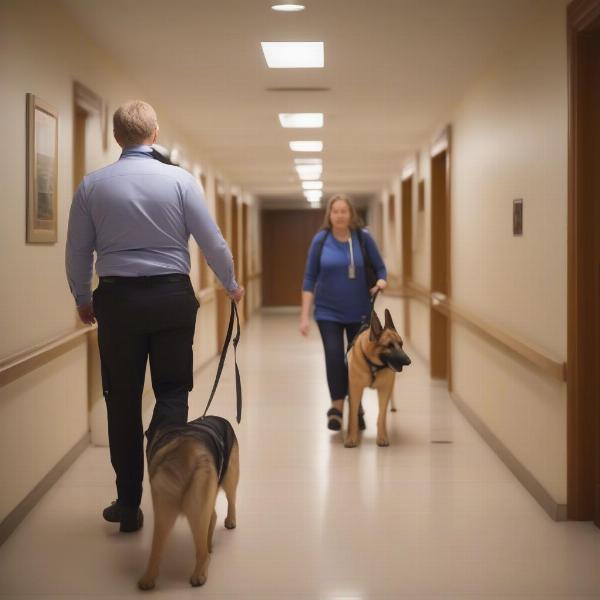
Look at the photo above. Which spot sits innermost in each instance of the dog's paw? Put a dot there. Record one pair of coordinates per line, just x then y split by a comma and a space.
382, 442
350, 443
230, 523
197, 580
146, 583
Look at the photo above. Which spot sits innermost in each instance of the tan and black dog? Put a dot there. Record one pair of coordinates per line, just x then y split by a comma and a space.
187, 465
374, 359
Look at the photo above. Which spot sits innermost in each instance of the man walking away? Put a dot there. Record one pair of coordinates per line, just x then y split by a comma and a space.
137, 215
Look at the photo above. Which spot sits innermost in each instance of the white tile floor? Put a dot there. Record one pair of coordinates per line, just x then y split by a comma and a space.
315, 520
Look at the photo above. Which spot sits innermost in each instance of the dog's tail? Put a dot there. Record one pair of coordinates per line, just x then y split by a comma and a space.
176, 468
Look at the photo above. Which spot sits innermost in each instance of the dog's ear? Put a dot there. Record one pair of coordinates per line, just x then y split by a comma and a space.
376, 328
389, 324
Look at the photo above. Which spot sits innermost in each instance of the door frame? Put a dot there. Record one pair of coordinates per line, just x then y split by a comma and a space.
583, 304
406, 210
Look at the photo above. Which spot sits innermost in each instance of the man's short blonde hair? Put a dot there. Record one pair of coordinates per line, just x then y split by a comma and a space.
134, 122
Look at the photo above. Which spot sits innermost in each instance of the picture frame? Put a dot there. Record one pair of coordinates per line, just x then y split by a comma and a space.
42, 172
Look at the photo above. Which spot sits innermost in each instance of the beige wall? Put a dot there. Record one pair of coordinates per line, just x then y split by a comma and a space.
509, 140
43, 51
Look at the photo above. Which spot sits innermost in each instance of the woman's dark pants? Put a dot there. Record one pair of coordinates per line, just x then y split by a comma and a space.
332, 334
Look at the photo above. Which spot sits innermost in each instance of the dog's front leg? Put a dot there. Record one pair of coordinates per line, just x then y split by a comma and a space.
356, 392
230, 483
165, 514
384, 394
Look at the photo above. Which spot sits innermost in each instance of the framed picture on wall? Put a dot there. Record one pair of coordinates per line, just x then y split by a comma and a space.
42, 172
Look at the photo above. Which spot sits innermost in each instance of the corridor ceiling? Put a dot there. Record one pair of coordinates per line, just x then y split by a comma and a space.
393, 68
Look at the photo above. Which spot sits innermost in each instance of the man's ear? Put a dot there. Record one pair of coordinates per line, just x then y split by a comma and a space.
376, 328
117, 138
155, 135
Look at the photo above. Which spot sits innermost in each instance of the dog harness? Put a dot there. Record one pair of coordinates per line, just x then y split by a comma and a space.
214, 432
374, 367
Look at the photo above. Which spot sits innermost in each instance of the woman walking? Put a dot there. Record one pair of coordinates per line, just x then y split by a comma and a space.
341, 259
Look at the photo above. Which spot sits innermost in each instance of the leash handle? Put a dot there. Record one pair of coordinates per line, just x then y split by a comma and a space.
238, 384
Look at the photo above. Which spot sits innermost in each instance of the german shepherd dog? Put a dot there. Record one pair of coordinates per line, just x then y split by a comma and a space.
374, 359
187, 465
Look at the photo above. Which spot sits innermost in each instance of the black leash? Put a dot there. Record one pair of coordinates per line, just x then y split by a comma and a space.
238, 384
373, 298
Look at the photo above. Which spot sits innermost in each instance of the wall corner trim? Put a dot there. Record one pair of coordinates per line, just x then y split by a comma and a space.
556, 511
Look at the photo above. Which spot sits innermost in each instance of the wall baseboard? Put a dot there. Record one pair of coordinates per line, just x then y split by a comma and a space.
556, 511
16, 516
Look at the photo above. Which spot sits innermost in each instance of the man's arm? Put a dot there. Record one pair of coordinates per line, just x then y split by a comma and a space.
207, 235
79, 256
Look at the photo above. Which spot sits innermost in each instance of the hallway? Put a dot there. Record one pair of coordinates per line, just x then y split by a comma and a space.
418, 520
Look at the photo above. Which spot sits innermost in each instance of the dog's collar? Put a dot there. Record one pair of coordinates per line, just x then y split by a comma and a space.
374, 367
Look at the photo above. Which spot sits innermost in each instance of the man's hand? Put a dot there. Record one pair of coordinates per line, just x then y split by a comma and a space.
86, 313
237, 294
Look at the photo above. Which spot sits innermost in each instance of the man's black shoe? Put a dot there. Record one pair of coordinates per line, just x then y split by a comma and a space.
131, 519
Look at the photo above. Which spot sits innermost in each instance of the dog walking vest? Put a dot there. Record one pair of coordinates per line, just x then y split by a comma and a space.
215, 433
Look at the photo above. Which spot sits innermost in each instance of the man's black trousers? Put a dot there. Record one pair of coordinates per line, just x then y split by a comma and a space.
140, 318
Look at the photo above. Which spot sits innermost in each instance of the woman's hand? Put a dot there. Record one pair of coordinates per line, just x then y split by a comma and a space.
380, 285
304, 326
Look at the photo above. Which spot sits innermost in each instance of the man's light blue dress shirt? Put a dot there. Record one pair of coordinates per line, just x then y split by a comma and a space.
137, 215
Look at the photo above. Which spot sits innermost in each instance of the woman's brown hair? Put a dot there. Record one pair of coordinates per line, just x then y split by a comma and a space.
355, 220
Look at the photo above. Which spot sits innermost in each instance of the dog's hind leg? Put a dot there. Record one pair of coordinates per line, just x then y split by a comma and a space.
198, 506
165, 514
211, 530
230, 483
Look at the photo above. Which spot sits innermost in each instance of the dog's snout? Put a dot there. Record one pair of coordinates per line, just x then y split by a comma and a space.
406, 359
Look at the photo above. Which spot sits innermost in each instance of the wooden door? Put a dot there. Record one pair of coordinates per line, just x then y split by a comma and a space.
245, 260
407, 246
286, 237
583, 345
222, 299
440, 264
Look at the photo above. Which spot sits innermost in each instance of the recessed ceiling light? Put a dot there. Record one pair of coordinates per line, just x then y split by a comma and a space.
301, 119
312, 185
308, 161
313, 195
309, 171
287, 7
294, 55
305, 146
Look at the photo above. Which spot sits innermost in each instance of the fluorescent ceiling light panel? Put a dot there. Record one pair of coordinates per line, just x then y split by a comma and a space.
312, 185
303, 120
287, 7
308, 161
306, 146
294, 55
313, 195
310, 176
309, 172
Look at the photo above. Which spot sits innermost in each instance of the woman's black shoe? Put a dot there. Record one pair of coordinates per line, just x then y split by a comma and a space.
335, 418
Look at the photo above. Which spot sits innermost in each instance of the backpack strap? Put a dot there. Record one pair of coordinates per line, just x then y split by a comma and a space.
320, 251
363, 246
